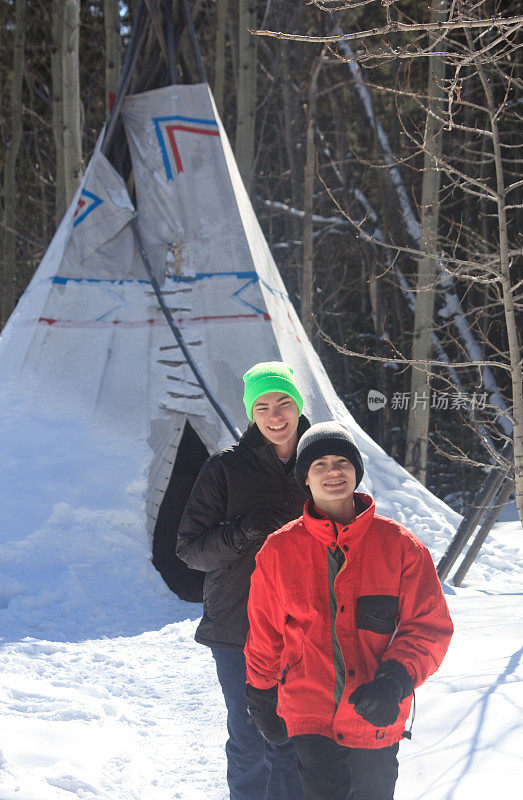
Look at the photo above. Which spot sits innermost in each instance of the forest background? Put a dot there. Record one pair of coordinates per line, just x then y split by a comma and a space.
381, 145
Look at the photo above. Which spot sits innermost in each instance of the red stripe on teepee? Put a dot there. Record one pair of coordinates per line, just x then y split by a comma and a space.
174, 148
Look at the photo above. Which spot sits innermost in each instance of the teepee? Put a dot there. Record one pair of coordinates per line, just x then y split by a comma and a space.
129, 345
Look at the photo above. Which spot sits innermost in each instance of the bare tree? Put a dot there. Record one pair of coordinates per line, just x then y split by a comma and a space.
72, 126
113, 48
58, 111
8, 276
219, 56
310, 173
419, 413
478, 44
66, 102
246, 92
502, 196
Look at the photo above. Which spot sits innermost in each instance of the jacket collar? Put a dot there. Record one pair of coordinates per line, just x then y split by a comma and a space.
255, 440
329, 533
265, 452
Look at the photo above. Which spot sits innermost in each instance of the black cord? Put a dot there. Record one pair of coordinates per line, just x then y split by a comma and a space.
178, 336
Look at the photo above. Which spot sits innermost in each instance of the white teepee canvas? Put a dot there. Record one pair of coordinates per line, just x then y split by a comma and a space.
88, 357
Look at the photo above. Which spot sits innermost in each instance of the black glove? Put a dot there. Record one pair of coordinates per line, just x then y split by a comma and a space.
242, 532
378, 701
262, 520
261, 705
234, 536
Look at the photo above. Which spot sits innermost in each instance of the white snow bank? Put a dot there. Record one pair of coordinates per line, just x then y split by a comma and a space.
83, 574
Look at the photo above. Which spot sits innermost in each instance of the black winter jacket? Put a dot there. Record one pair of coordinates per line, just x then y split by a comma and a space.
230, 484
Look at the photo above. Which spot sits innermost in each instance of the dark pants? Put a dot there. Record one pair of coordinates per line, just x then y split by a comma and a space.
256, 770
332, 772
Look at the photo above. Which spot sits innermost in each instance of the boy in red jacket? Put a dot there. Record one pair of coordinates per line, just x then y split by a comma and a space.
347, 617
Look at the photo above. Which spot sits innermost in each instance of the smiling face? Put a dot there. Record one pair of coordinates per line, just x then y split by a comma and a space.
332, 481
276, 416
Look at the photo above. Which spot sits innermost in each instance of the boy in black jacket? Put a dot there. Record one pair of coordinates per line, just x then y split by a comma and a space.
242, 494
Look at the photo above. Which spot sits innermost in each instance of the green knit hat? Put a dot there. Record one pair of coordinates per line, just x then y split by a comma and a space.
269, 376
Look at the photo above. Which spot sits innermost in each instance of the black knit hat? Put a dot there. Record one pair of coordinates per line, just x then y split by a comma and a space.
326, 439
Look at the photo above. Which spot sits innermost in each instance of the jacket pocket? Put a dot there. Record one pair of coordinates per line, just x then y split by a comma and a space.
215, 596
377, 613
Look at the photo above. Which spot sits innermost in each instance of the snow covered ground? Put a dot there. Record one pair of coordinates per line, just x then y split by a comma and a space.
105, 695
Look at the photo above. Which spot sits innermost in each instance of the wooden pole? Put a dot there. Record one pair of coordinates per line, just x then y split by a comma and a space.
490, 518
486, 495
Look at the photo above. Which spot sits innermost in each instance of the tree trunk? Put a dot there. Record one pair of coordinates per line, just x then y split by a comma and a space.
310, 171
113, 47
419, 410
58, 111
246, 95
219, 57
72, 137
291, 135
133, 5
8, 275
232, 33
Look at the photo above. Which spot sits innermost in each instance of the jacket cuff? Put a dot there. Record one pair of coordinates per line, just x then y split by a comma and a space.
393, 669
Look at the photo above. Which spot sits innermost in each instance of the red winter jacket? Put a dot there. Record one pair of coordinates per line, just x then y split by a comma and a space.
328, 604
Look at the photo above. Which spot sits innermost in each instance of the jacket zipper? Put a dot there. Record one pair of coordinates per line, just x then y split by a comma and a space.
286, 668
